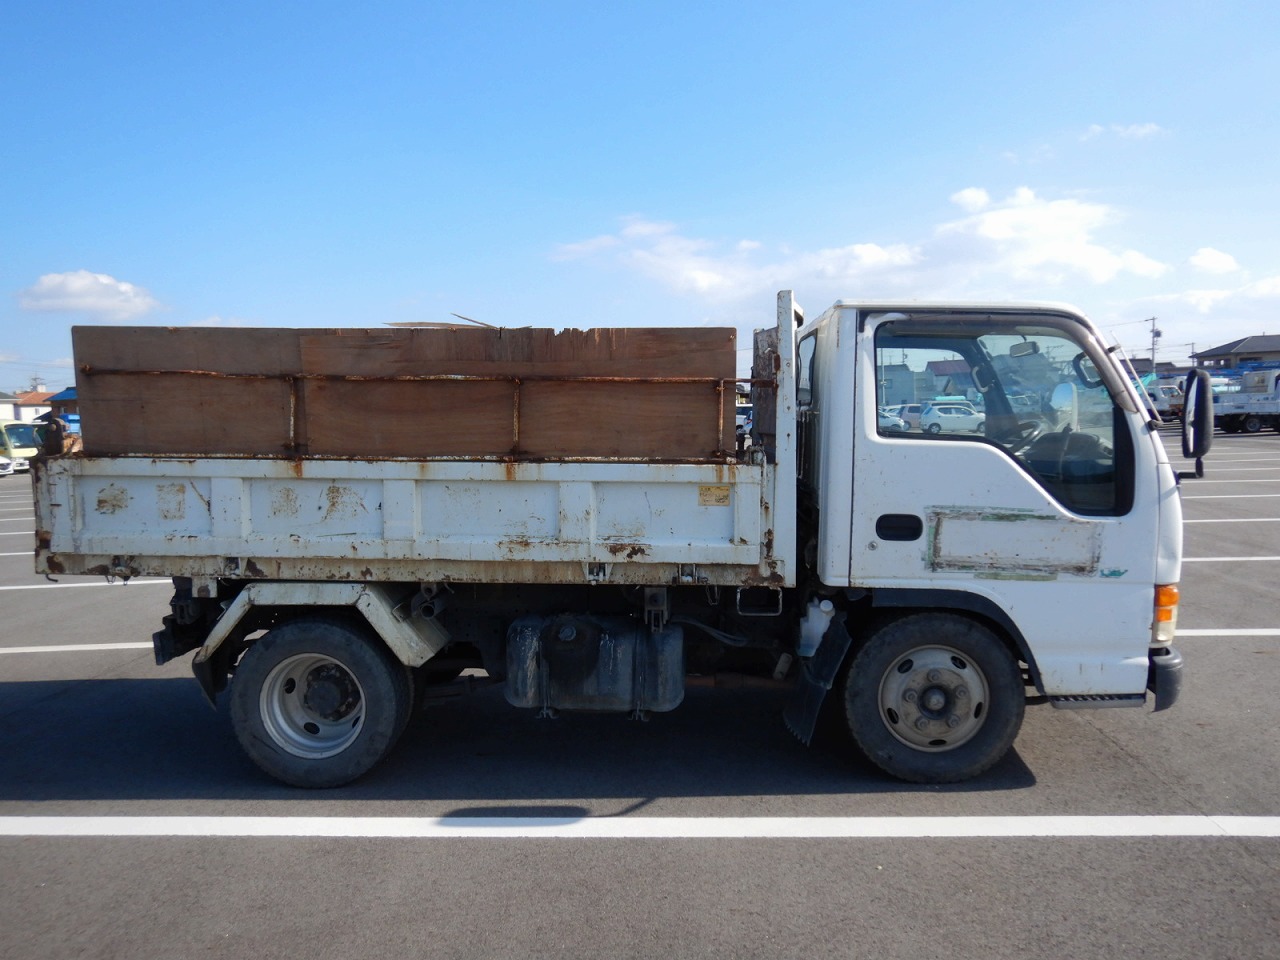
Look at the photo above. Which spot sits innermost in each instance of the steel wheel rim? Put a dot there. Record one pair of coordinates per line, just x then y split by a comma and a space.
934, 699
312, 706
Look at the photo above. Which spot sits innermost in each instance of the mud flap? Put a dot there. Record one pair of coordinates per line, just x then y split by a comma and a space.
817, 675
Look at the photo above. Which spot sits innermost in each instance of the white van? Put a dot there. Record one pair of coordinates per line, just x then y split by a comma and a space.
18, 442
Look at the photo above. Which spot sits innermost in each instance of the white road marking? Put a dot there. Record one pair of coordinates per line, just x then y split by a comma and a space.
627, 828
77, 648
17, 533
1232, 632
103, 583
21, 553
1212, 560
24, 519
1232, 496
1238, 520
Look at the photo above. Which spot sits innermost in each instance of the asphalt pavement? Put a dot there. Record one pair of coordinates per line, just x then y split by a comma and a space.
706, 832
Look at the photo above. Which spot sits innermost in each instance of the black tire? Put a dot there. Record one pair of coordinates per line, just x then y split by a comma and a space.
934, 428
934, 698
318, 703
1251, 424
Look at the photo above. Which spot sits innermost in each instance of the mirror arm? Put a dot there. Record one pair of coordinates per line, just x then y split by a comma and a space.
1197, 474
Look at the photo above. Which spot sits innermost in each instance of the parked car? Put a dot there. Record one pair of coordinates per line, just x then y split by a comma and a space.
952, 418
890, 423
908, 412
6, 466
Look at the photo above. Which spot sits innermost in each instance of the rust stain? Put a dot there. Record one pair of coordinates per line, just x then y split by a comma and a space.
284, 502
171, 500
630, 550
112, 499
252, 569
342, 502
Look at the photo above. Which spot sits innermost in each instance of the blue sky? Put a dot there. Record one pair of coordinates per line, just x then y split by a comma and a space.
602, 164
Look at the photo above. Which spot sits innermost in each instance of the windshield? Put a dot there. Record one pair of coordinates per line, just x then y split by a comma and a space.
21, 434
1029, 388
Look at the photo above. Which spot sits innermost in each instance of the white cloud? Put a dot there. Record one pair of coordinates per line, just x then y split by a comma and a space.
584, 248
1137, 131
1047, 240
80, 291
1210, 260
1023, 245
972, 199
1132, 131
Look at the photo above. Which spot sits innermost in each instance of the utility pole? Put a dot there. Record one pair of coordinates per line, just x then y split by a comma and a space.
1155, 335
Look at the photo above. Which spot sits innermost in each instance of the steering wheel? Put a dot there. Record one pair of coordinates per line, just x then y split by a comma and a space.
1027, 433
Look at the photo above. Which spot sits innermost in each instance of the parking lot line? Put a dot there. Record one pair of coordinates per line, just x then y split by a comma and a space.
1237, 520
1232, 632
1204, 560
102, 583
1230, 496
624, 828
77, 648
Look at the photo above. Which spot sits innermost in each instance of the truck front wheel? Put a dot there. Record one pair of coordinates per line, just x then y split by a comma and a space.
317, 703
934, 698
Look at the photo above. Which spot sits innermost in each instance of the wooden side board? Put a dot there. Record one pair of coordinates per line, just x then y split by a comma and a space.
651, 393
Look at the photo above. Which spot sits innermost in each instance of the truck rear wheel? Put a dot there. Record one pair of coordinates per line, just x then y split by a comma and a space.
934, 698
1252, 423
317, 703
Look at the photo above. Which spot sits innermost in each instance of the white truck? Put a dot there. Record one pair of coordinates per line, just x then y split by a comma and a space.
1254, 406
926, 586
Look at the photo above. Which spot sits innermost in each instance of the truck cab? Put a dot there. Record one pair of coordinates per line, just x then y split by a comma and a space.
1054, 531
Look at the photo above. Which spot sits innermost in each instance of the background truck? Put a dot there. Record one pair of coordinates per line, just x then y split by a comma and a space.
353, 519
1254, 406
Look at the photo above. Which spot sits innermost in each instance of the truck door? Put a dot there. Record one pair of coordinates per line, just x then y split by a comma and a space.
1042, 511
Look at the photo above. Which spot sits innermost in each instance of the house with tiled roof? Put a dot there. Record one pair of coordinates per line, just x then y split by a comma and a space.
32, 404
1257, 349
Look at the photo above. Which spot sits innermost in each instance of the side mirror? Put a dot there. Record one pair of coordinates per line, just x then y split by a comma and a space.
1197, 420
1065, 408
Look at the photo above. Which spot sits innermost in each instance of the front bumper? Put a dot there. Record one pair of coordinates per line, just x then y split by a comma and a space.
1164, 676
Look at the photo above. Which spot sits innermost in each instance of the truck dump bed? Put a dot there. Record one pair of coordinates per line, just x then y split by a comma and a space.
494, 456
395, 520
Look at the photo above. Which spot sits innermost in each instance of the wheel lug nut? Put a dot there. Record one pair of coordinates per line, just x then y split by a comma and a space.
961, 693
911, 696
953, 721
921, 723
934, 676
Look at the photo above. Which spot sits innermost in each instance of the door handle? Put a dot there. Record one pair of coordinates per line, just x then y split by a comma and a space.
899, 526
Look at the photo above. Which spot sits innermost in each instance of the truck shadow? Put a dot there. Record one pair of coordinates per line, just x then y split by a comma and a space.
158, 740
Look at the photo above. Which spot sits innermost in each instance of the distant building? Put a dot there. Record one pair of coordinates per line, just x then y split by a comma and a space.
65, 402
1259, 349
31, 405
8, 406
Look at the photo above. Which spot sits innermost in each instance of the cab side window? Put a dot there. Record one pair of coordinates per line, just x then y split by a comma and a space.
1030, 393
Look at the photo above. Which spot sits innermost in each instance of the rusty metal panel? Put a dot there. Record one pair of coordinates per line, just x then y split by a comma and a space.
407, 520
1012, 543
